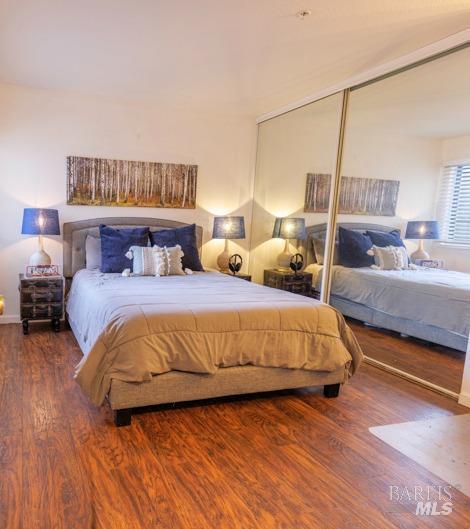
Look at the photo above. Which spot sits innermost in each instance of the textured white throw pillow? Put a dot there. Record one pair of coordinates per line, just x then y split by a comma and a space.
390, 257
143, 260
167, 261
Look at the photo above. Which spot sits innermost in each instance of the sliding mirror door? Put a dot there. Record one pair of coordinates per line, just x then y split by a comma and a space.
293, 150
406, 191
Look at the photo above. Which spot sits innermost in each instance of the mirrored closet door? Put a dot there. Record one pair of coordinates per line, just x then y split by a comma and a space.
405, 192
292, 149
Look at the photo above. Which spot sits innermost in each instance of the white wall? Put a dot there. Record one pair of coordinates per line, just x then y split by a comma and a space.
38, 129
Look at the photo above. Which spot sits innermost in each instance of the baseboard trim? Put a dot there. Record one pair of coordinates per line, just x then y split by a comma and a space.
12, 318
464, 399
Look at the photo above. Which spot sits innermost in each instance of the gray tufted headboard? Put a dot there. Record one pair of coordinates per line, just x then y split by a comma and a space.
318, 231
74, 235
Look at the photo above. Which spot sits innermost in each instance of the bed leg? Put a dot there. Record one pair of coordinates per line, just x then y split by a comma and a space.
123, 417
331, 390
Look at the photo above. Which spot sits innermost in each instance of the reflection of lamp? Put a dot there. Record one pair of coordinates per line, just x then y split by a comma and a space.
227, 228
288, 228
421, 229
37, 221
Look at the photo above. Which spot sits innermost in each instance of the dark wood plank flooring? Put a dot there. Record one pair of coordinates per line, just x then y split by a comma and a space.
437, 364
285, 460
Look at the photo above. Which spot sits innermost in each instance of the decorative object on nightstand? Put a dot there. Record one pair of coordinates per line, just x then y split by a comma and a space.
420, 230
227, 228
430, 263
235, 263
288, 228
296, 263
39, 221
300, 283
41, 298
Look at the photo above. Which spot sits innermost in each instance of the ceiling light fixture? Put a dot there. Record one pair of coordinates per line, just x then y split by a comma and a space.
303, 13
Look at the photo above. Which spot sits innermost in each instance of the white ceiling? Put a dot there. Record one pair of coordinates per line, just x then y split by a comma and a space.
246, 55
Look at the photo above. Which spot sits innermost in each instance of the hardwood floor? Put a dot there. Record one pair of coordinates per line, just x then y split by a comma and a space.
437, 364
287, 460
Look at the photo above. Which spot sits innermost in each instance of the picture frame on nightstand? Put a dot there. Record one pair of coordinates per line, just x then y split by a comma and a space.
430, 263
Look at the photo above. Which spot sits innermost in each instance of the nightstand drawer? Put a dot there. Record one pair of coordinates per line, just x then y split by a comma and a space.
40, 295
46, 282
41, 310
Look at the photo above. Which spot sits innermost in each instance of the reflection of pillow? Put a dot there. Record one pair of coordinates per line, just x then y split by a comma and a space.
390, 257
186, 238
92, 252
383, 239
143, 261
353, 247
168, 261
116, 242
319, 249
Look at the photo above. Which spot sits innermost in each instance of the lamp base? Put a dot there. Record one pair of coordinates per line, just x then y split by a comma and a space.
419, 254
40, 258
283, 261
223, 260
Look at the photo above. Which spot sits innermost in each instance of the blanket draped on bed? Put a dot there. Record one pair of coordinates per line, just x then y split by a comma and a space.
133, 328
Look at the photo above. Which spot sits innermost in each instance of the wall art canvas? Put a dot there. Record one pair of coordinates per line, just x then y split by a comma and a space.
358, 196
103, 182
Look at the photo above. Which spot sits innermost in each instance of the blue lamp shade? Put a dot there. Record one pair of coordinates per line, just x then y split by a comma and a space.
229, 228
38, 221
422, 229
289, 228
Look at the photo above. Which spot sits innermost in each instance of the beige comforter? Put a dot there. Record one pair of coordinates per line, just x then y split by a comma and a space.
133, 328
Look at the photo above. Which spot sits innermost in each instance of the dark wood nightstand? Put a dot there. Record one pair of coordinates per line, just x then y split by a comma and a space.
287, 280
41, 298
246, 277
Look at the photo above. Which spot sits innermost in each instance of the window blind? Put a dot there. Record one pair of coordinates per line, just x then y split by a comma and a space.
454, 204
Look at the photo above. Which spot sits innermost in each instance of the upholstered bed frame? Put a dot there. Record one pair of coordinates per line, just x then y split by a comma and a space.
178, 386
372, 316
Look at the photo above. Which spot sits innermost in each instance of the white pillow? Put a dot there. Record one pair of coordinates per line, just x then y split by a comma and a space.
92, 252
390, 258
143, 261
167, 261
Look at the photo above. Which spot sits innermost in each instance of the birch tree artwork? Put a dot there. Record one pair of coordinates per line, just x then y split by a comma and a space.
102, 182
358, 196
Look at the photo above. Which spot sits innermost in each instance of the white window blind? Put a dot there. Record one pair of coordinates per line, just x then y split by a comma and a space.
454, 204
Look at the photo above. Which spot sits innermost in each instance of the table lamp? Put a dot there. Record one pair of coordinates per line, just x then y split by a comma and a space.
420, 230
288, 228
227, 228
38, 221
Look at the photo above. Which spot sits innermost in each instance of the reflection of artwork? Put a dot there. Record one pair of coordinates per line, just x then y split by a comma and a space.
358, 196
101, 182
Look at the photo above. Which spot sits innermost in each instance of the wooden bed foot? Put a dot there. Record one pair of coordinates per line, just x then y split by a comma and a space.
123, 417
331, 390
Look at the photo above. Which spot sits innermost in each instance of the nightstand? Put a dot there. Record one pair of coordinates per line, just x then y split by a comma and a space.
246, 277
287, 280
41, 298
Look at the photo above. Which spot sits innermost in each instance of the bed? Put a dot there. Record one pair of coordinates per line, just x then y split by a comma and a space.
156, 340
430, 304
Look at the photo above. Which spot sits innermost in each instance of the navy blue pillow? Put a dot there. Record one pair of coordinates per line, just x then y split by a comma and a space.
353, 247
383, 239
115, 243
186, 238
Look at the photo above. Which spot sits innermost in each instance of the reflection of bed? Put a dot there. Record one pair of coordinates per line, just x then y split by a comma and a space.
153, 340
430, 304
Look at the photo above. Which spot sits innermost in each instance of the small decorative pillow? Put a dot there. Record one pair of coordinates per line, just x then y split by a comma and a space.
92, 252
168, 261
390, 257
143, 260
